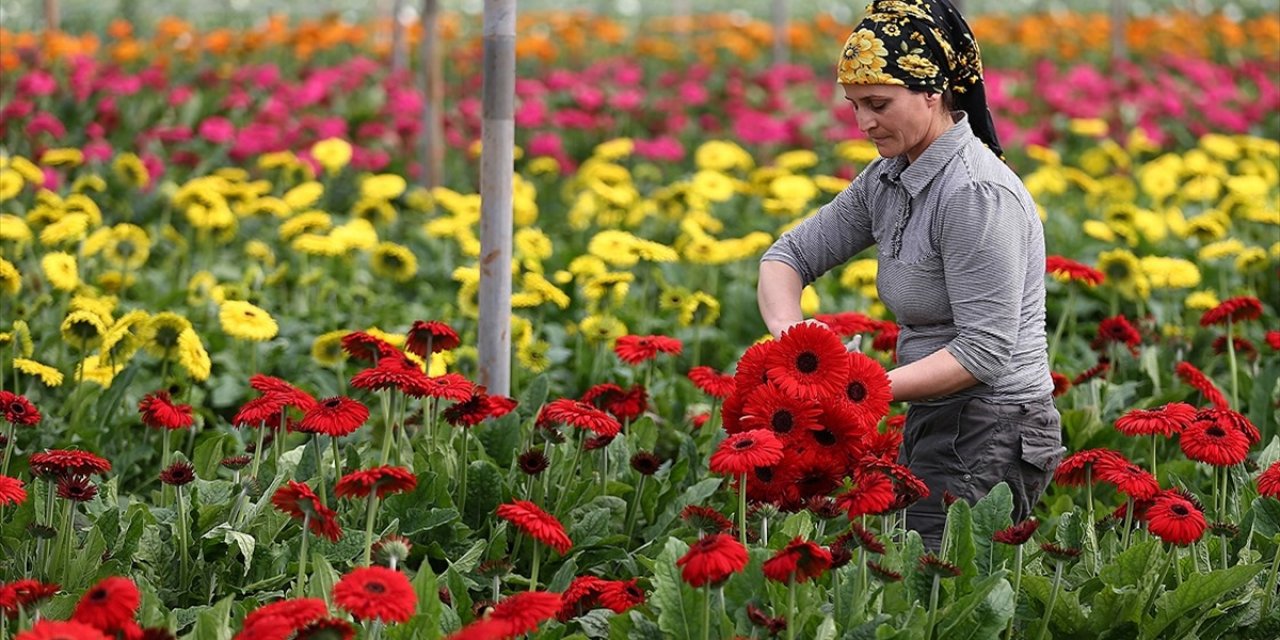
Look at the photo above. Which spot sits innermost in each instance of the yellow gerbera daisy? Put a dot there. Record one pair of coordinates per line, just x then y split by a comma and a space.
246, 321
10, 278
332, 153
62, 157
82, 329
60, 270
326, 349
128, 246
48, 375
129, 169
394, 261
192, 355
94, 369
160, 333
71, 228
383, 186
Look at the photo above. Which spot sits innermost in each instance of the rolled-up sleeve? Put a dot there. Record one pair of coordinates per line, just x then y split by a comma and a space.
838, 231
982, 242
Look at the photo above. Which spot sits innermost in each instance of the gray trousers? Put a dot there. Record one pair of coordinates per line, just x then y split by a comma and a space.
968, 446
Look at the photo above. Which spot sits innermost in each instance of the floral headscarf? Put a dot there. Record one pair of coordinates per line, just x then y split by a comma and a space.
923, 45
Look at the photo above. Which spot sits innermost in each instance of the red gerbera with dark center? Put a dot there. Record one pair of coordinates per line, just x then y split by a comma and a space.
431, 334
865, 538
705, 520
108, 605
882, 444
1129, 478
872, 493
1166, 420
800, 560
11, 491
1230, 419
887, 339
1096, 370
18, 410
1018, 533
581, 596
773, 626
327, 629
1072, 270
538, 524
868, 388
1233, 310
479, 407
385, 480
1117, 329
178, 474
1061, 384
848, 323
160, 413
1269, 481
600, 395
932, 565
293, 396
809, 362
841, 430
263, 410
24, 593
367, 347
336, 417
581, 415
1174, 519
286, 615
742, 452
76, 488
67, 462
1209, 441
811, 476
769, 407
299, 501
882, 573
392, 371
450, 386
712, 382
906, 483
630, 405
1189, 374
53, 630
1243, 347
1072, 471
636, 349
753, 366
620, 595
712, 559
376, 593
523, 612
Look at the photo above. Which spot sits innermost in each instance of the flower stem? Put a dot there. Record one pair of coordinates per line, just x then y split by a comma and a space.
337, 461
791, 606
164, 461
320, 490
1053, 597
1017, 584
706, 612
1153, 457
533, 574
1231, 362
1128, 521
742, 510
301, 585
1271, 583
1067, 311
368, 528
462, 492
388, 428
633, 509
933, 607
183, 543
1090, 531
257, 451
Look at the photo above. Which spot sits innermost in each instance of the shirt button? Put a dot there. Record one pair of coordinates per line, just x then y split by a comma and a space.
967, 477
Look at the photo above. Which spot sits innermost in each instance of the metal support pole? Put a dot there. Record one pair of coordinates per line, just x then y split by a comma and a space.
781, 33
496, 168
432, 140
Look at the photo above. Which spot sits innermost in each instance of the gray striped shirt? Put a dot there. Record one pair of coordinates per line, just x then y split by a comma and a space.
960, 260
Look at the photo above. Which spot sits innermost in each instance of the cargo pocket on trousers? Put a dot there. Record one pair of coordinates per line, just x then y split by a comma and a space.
1041, 450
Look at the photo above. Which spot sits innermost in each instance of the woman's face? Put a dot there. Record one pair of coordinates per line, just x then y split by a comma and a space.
895, 118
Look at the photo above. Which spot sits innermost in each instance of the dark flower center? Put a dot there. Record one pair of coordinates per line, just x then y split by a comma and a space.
807, 362
744, 444
856, 391
765, 474
375, 587
782, 421
1180, 510
98, 595
825, 437
332, 403
17, 408
1215, 432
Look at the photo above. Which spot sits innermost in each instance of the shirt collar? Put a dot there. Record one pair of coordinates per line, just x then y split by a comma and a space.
915, 176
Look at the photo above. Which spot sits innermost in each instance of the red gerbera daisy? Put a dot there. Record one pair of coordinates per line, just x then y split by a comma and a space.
742, 452
376, 593
108, 605
620, 595
53, 630
1129, 478
712, 382
809, 362
178, 474
868, 388
336, 417
872, 493
887, 339
11, 491
882, 444
1096, 370
293, 396
882, 573
431, 336
1174, 519
1242, 346
637, 349
630, 405
299, 501
769, 407
66, 462
1166, 420
1189, 374
384, 480
800, 560
581, 596
327, 629
538, 524
1269, 481
712, 559
1061, 384
523, 612
1273, 339
263, 410
479, 407
753, 366
1018, 533
1233, 310
581, 415
705, 520
24, 593
1117, 329
392, 371
1232, 420
1073, 470
286, 615
367, 347
160, 413
1209, 441
905, 482
18, 410
450, 386
1071, 270
848, 323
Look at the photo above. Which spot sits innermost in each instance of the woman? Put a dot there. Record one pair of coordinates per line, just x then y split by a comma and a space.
960, 252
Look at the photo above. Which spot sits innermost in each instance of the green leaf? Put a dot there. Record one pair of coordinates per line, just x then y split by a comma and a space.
484, 492
563, 576
534, 395
634, 627
241, 540
696, 494
1200, 594
323, 576
679, 607
826, 630
1131, 567
1068, 616
1266, 517
426, 621
214, 623
991, 514
981, 613
209, 454
961, 548
468, 561
500, 438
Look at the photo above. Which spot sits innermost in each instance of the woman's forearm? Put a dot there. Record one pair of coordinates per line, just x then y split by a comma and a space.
778, 294
933, 376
